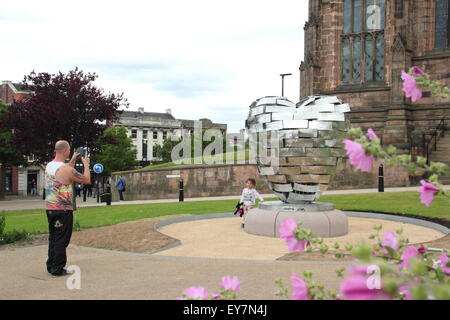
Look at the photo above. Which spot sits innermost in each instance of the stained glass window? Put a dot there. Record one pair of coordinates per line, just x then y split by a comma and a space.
369, 57
363, 41
357, 15
356, 60
379, 58
347, 16
442, 24
346, 61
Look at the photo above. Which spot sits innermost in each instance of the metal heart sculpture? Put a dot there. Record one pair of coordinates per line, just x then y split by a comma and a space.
309, 143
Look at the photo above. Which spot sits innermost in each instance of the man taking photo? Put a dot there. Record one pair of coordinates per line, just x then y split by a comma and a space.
59, 177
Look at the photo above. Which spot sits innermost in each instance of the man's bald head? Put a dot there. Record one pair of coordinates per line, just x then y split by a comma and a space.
62, 146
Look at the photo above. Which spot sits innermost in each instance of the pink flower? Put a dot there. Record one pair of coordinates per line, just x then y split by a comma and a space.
357, 155
410, 87
422, 249
356, 288
409, 253
427, 192
196, 293
216, 296
390, 240
287, 233
417, 71
231, 283
404, 290
357, 270
371, 134
443, 261
299, 288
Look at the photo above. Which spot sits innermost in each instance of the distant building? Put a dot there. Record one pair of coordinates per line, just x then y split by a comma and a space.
148, 129
18, 180
10, 92
189, 125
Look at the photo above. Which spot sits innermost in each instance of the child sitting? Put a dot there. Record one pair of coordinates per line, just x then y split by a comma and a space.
249, 195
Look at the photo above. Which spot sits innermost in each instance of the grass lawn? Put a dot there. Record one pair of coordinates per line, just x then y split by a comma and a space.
240, 155
396, 202
34, 221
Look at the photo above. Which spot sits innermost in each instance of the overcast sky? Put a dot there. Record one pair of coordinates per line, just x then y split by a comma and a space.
200, 58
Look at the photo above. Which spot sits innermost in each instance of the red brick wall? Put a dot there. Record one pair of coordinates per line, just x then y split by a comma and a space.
226, 180
6, 94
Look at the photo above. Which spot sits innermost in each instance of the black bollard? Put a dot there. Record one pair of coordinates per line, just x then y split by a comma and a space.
181, 191
381, 179
43, 194
109, 196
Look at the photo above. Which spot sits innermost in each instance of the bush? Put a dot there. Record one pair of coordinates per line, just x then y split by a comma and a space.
76, 225
12, 236
2, 226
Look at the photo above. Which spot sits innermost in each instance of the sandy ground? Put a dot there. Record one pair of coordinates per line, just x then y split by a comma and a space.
224, 238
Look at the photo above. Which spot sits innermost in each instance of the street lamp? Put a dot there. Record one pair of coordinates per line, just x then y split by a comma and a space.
282, 82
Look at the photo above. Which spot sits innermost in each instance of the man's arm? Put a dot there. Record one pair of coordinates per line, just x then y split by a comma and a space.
73, 160
84, 178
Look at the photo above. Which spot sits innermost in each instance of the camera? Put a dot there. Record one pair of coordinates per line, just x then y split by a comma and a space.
82, 152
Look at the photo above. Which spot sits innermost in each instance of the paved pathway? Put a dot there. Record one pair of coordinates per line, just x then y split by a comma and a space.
112, 275
22, 203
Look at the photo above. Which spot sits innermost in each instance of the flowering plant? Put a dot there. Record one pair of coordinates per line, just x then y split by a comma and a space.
229, 287
390, 268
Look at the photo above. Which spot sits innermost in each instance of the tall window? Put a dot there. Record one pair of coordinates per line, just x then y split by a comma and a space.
144, 150
442, 37
8, 180
155, 134
363, 41
134, 134
144, 134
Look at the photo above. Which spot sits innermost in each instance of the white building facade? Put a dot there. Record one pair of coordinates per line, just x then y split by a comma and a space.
148, 129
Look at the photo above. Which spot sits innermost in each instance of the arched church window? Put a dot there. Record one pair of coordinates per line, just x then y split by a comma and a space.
442, 35
363, 41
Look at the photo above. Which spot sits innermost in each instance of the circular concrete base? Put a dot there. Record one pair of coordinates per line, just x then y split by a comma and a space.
323, 223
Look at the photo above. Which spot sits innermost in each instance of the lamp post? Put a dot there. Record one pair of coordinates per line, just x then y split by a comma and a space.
282, 82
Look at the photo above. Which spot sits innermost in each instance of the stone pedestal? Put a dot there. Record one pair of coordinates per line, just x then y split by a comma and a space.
319, 217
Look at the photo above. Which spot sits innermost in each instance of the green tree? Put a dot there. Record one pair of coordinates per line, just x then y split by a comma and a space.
115, 150
164, 151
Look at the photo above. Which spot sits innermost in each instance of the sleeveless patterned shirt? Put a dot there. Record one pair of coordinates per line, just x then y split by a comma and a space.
58, 196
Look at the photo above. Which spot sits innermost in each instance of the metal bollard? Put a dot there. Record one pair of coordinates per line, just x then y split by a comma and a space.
43, 194
181, 191
381, 179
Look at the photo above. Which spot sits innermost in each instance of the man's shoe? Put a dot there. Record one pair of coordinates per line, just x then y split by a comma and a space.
64, 272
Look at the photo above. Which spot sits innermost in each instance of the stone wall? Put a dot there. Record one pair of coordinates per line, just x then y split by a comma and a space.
225, 180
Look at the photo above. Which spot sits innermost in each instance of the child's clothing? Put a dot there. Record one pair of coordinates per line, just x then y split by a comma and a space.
248, 198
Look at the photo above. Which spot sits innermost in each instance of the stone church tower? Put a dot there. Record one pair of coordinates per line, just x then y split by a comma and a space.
356, 49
